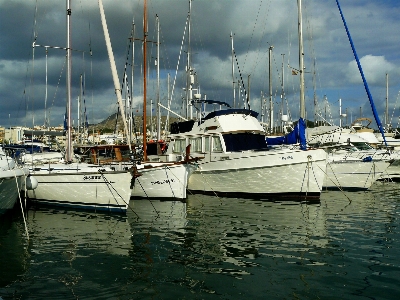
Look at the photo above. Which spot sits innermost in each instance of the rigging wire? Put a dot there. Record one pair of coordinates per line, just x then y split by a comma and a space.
241, 79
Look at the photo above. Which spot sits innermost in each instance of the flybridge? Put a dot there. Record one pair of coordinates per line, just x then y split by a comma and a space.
234, 120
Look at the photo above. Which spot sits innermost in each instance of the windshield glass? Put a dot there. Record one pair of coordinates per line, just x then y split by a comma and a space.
363, 146
244, 141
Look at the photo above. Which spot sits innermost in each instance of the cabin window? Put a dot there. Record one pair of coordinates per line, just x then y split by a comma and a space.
195, 144
244, 141
362, 146
216, 144
207, 144
179, 146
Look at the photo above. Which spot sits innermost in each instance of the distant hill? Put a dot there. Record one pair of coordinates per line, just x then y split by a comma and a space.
108, 124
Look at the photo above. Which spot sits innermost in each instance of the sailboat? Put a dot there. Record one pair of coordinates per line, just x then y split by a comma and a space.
350, 168
151, 179
76, 184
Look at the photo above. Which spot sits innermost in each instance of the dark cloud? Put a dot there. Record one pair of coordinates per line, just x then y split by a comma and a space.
256, 26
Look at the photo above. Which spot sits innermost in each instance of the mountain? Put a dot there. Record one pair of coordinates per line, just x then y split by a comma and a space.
108, 125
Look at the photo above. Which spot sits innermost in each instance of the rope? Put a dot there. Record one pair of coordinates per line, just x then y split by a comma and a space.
371, 171
109, 185
241, 79
339, 187
20, 201
215, 194
149, 199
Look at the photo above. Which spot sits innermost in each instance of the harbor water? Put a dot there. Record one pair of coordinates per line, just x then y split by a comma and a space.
347, 246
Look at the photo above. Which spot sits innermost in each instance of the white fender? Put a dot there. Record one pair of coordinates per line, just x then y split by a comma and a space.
31, 183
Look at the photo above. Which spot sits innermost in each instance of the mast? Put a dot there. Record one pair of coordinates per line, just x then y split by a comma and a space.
68, 151
158, 82
132, 119
248, 88
371, 101
233, 72
144, 80
114, 72
45, 98
79, 106
283, 89
190, 78
301, 62
387, 102
271, 106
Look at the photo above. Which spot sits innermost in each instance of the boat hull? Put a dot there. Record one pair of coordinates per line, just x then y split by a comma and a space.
354, 175
11, 183
162, 182
94, 190
269, 174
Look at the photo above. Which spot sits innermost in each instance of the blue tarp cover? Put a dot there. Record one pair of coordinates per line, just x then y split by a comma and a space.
297, 136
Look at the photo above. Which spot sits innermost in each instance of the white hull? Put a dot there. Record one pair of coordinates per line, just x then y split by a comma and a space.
235, 160
164, 181
284, 173
392, 173
42, 158
354, 174
391, 141
12, 181
82, 187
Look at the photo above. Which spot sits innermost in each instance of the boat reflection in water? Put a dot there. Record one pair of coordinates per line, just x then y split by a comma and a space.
70, 252
13, 247
227, 236
248, 231
230, 248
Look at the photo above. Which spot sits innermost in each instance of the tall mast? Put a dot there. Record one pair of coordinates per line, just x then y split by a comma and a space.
387, 101
158, 82
79, 107
132, 119
144, 80
283, 89
189, 69
114, 72
46, 124
233, 72
301, 62
271, 106
68, 152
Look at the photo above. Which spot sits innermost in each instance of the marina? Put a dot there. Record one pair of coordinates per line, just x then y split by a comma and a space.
345, 246
229, 191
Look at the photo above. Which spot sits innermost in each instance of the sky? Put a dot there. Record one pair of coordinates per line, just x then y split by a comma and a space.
29, 94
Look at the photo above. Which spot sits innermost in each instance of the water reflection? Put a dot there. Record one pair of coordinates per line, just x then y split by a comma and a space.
69, 253
209, 248
13, 253
246, 230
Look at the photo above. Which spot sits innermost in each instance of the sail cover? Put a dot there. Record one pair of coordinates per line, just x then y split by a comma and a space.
297, 136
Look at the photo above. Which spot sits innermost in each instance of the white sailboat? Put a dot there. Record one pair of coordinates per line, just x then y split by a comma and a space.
151, 179
348, 167
80, 185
